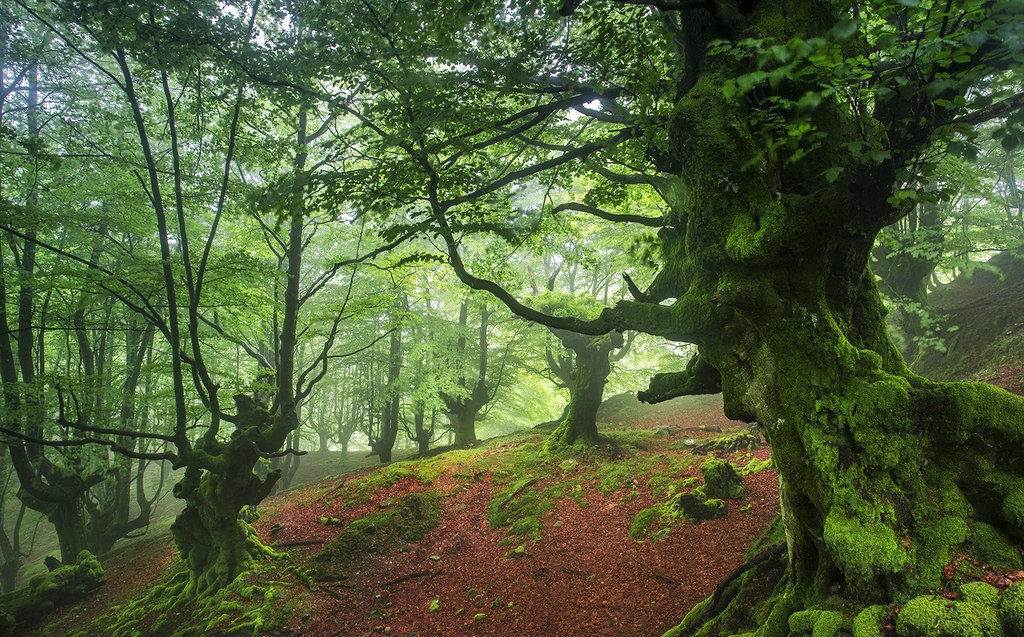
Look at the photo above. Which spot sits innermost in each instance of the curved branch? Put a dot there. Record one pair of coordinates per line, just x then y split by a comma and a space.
577, 153
79, 442
652, 222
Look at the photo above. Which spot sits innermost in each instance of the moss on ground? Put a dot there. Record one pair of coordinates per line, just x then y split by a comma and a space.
407, 521
703, 503
526, 480
932, 616
994, 548
49, 591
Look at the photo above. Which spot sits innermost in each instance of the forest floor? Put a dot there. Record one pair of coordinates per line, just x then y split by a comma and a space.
518, 543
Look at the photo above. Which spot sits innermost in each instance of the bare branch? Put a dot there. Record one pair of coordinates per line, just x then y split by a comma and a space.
80, 442
653, 222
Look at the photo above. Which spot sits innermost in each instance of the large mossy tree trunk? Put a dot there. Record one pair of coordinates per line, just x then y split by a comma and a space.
212, 534
885, 476
463, 420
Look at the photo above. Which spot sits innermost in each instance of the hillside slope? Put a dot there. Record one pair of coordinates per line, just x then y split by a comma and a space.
495, 540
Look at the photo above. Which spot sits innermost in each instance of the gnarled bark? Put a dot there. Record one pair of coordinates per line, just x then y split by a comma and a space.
885, 476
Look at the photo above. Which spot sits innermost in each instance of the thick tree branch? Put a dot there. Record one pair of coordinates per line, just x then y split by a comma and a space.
999, 109
652, 222
516, 175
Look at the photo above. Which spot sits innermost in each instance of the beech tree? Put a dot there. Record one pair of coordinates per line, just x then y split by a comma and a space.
179, 146
783, 136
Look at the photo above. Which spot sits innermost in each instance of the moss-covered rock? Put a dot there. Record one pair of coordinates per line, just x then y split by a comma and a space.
931, 616
980, 593
721, 479
644, 522
1011, 610
868, 623
697, 506
742, 441
407, 521
994, 548
817, 623
49, 591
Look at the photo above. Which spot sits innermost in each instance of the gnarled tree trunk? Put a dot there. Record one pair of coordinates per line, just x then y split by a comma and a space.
591, 365
885, 476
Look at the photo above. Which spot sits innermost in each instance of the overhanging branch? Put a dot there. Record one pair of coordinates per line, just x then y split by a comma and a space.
652, 222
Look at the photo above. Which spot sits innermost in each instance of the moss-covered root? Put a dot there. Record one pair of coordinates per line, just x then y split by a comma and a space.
973, 609
50, 590
245, 606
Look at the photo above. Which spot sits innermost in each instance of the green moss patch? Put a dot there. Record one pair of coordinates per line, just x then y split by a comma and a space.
48, 591
1011, 610
409, 520
721, 479
930, 616
818, 623
868, 622
994, 548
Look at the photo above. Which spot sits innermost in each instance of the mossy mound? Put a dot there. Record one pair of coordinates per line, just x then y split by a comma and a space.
721, 479
994, 548
819, 623
1011, 610
696, 506
409, 520
932, 616
742, 441
46, 592
705, 502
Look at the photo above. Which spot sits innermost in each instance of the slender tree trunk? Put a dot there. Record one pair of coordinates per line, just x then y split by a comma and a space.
389, 420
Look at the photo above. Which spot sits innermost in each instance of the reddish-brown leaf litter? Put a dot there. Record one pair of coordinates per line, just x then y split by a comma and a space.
585, 576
